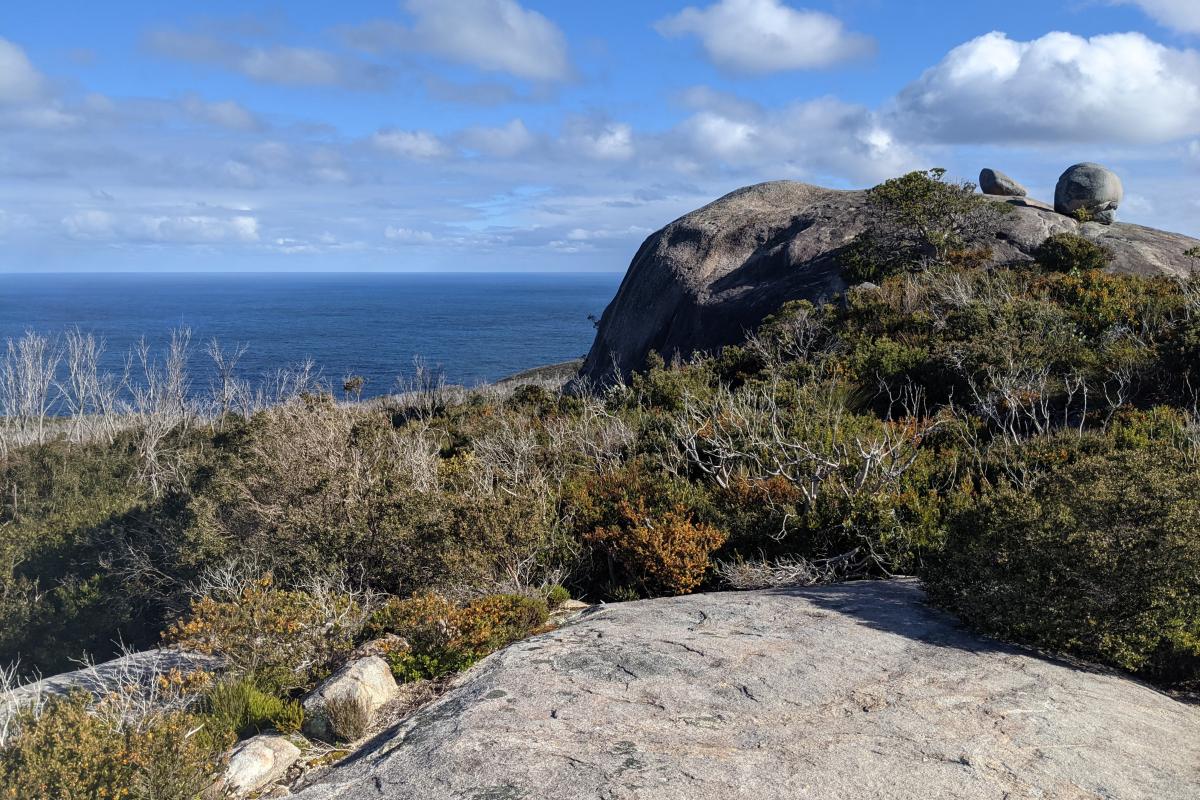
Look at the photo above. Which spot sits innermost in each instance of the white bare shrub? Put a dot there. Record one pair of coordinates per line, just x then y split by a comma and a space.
791, 570
17, 697
425, 393
228, 394
162, 407
27, 380
744, 434
93, 399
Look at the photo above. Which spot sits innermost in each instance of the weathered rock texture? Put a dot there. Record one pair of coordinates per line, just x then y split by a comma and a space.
993, 181
366, 681
1091, 188
255, 763
704, 280
851, 691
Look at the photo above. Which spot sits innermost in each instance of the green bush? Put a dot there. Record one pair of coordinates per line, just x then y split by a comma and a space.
1069, 252
1101, 559
921, 221
242, 708
444, 637
556, 595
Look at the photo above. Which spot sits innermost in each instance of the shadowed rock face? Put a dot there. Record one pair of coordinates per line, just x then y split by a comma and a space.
851, 691
704, 280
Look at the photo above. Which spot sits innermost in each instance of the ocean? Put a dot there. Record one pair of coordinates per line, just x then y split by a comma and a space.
478, 327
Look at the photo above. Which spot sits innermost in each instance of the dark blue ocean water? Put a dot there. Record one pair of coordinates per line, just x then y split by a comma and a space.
478, 327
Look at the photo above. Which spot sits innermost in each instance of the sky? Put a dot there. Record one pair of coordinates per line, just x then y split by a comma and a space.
548, 135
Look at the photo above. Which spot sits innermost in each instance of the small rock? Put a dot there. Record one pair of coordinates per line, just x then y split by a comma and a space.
995, 182
255, 763
1091, 188
572, 605
367, 681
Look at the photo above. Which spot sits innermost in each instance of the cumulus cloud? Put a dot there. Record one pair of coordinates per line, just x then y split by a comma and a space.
760, 36
407, 235
100, 225
507, 141
818, 139
1182, 15
277, 64
20, 82
419, 145
224, 114
492, 35
1121, 88
599, 140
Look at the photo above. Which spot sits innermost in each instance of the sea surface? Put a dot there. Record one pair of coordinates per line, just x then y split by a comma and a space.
477, 327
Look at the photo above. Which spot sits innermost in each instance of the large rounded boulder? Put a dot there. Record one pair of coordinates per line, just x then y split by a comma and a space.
707, 278
1092, 189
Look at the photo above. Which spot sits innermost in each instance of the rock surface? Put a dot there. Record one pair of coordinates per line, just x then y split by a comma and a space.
994, 182
851, 691
367, 681
1091, 188
704, 280
256, 762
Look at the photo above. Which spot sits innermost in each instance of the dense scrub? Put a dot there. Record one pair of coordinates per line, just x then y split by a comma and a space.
1025, 438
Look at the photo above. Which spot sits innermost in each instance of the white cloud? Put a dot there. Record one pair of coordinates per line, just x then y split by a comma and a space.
815, 140
419, 145
278, 64
98, 225
759, 36
507, 141
300, 66
1113, 88
408, 235
602, 141
492, 35
20, 82
1182, 15
225, 114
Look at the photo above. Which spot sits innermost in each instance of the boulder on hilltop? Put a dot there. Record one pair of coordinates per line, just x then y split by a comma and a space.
857, 690
707, 278
995, 182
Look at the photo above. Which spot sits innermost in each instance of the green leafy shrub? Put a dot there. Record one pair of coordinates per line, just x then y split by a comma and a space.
241, 707
445, 637
1069, 252
1100, 559
920, 221
556, 595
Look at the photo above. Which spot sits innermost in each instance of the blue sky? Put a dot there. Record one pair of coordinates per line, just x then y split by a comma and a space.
535, 135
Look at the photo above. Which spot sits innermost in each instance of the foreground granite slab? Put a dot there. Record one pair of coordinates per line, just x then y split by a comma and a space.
851, 691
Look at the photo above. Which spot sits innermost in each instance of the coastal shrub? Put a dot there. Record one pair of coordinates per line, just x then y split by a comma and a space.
446, 637
1100, 558
556, 595
238, 705
1070, 252
349, 717
663, 553
921, 221
644, 527
68, 751
284, 638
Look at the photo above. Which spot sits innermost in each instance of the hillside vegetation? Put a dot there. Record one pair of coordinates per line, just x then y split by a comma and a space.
1024, 439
